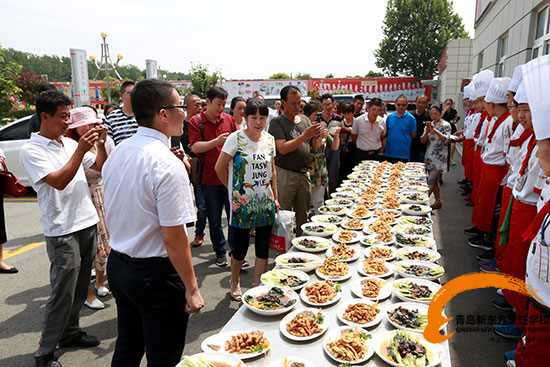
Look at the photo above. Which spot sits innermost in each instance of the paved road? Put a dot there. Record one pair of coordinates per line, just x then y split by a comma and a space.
23, 296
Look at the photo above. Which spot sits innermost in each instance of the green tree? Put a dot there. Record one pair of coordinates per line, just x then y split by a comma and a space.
329, 76
303, 76
9, 90
374, 74
114, 85
202, 79
415, 35
29, 82
280, 76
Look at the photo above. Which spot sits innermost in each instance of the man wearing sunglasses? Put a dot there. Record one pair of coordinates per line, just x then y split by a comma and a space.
400, 130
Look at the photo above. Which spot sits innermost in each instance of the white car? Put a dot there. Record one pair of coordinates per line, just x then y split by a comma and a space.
12, 138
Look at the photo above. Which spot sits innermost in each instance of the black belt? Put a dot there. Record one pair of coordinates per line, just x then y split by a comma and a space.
537, 306
141, 259
302, 171
370, 152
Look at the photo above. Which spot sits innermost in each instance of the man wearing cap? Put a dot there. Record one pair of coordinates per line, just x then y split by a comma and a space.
532, 349
55, 165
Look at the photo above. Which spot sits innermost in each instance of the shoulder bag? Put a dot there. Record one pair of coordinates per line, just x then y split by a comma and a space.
11, 185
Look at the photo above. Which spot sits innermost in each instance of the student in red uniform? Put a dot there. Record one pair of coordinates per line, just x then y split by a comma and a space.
532, 350
488, 199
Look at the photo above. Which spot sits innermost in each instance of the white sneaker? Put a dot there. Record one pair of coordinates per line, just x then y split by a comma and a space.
511, 363
95, 305
500, 293
102, 291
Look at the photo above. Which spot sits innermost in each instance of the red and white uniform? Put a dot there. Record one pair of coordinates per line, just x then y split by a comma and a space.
468, 145
543, 188
479, 120
492, 172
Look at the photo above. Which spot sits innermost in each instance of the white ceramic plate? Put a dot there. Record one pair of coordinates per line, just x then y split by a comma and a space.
292, 315
349, 189
345, 225
335, 334
356, 236
357, 288
366, 215
319, 229
276, 276
327, 219
395, 212
333, 209
263, 289
334, 278
407, 209
411, 306
228, 359
287, 361
371, 240
367, 229
415, 220
419, 241
367, 252
313, 261
304, 298
342, 308
355, 256
386, 274
402, 253
433, 287
417, 188
381, 339
321, 243
220, 339
405, 263
342, 202
344, 195
421, 198
414, 230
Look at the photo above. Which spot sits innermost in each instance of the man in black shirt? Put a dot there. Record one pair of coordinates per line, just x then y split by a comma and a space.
418, 149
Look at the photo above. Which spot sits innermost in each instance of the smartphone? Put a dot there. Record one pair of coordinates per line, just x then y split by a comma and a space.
102, 134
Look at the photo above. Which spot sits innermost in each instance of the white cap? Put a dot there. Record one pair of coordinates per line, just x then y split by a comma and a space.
536, 76
521, 96
481, 82
517, 78
497, 90
467, 92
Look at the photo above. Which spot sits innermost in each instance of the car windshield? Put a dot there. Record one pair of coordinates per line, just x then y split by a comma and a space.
16, 131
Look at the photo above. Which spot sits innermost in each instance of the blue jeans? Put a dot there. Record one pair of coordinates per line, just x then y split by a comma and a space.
201, 210
216, 199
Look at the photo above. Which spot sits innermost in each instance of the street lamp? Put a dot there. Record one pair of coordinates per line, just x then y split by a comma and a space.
106, 64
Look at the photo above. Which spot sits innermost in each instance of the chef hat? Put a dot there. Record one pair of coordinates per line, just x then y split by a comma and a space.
481, 82
517, 78
498, 88
536, 76
521, 96
467, 92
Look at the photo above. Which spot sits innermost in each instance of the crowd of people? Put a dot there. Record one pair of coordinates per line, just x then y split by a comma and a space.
506, 158
186, 163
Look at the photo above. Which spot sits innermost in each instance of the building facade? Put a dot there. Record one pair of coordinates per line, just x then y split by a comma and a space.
454, 68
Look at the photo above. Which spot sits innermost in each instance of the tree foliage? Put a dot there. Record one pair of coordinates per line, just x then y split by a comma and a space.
202, 79
303, 76
329, 76
280, 76
374, 74
29, 82
114, 86
415, 35
9, 90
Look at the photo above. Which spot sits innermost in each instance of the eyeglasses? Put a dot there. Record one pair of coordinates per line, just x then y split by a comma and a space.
172, 107
401, 105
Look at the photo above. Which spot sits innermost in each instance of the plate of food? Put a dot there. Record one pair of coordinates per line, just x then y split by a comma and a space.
417, 188
348, 345
348, 189
353, 224
242, 344
377, 226
385, 253
361, 313
416, 290
342, 202
414, 241
319, 229
346, 236
386, 218
408, 316
415, 220
304, 324
376, 268
420, 254
402, 348
320, 294
384, 239
268, 300
344, 195
343, 252
291, 361
368, 204
327, 219
311, 243
371, 288
411, 229
211, 359
412, 197
333, 209
333, 269
396, 213
359, 212
298, 260
293, 279
419, 269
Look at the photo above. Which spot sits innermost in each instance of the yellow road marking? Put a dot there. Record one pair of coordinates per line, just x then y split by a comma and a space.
20, 250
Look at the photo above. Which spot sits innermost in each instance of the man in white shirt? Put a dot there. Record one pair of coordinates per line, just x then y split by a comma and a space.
148, 203
55, 166
368, 133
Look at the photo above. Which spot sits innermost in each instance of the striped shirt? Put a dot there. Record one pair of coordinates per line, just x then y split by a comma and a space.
120, 126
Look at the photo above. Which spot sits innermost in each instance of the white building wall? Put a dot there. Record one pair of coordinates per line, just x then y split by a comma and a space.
459, 56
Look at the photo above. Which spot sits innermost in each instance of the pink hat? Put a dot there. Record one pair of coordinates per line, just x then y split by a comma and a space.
82, 116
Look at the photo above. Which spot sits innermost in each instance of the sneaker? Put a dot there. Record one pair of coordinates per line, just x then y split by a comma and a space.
47, 361
487, 255
95, 304
500, 292
492, 261
509, 331
462, 182
510, 355
471, 231
480, 243
511, 363
501, 304
221, 260
82, 340
245, 264
102, 291
489, 268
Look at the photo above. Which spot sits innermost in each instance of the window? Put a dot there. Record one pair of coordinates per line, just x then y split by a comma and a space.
501, 61
542, 35
16, 131
479, 61
542, 23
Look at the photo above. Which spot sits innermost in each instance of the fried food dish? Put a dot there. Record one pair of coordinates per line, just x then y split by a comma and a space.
247, 342
342, 251
349, 346
372, 287
333, 266
372, 266
361, 313
305, 324
320, 292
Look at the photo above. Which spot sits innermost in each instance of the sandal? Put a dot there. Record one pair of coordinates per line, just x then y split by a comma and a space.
237, 295
437, 205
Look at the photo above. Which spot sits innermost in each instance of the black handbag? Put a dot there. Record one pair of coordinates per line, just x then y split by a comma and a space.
197, 162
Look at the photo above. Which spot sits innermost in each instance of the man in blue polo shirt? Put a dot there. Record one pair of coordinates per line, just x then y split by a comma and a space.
400, 130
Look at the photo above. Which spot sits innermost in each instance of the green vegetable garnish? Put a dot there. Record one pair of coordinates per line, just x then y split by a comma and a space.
258, 348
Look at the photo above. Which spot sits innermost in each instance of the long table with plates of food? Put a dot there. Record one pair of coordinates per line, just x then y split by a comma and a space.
354, 290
